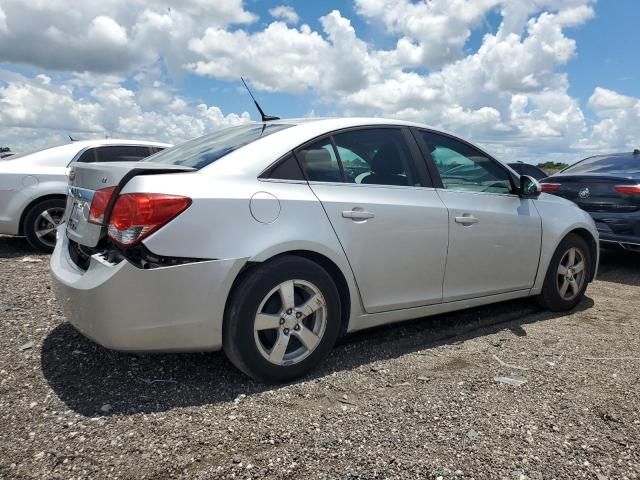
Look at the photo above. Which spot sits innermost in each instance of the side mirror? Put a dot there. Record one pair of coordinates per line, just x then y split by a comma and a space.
529, 187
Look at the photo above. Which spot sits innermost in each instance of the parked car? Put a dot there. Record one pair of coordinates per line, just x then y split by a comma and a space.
33, 186
522, 168
608, 187
255, 240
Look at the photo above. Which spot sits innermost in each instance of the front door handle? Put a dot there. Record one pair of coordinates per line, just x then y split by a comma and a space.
466, 219
357, 214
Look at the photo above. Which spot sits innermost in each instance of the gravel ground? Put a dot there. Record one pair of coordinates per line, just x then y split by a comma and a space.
416, 400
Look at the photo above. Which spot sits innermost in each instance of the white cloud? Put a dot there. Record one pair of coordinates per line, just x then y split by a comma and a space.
280, 58
436, 30
619, 120
111, 36
105, 30
603, 99
285, 13
511, 93
110, 109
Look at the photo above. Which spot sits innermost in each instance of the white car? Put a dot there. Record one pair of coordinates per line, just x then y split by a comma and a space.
33, 186
269, 240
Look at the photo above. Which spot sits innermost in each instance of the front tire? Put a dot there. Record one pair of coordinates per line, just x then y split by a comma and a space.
40, 224
567, 276
282, 319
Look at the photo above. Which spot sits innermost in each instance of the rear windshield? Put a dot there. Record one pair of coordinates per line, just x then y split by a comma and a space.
203, 151
621, 163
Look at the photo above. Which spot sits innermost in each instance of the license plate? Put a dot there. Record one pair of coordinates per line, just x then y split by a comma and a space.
75, 216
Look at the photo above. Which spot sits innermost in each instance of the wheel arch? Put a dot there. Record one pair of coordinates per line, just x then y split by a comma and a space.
34, 202
323, 261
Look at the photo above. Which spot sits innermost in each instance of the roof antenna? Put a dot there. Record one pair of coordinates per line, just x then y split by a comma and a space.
265, 118
71, 138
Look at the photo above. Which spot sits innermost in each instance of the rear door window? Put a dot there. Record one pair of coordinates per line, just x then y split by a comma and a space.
376, 156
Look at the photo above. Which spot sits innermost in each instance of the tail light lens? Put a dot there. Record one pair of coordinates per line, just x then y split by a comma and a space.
550, 187
99, 205
137, 215
628, 189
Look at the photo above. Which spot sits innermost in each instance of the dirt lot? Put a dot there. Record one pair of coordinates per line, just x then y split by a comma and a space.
417, 400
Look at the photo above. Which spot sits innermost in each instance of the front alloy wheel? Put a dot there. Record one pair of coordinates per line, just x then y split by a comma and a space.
567, 275
571, 274
282, 319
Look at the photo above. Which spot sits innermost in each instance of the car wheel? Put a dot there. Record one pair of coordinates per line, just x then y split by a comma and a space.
40, 224
567, 275
282, 319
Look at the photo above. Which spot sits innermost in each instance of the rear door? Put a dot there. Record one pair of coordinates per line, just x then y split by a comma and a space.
388, 217
494, 235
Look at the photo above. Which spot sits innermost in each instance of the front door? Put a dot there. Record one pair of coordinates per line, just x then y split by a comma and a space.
391, 224
494, 235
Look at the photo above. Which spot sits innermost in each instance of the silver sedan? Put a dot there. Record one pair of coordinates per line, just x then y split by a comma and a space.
33, 185
270, 240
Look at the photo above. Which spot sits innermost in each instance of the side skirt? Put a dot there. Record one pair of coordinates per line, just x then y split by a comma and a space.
377, 319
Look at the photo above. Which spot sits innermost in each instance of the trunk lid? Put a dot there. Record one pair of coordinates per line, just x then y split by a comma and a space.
596, 193
86, 178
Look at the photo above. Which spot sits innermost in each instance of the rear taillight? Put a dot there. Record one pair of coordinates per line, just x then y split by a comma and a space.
137, 215
628, 189
99, 205
550, 187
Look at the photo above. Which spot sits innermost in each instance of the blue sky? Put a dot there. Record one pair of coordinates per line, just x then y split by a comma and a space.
607, 50
607, 55
557, 79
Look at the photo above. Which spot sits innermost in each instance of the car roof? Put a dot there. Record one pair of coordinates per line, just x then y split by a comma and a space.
332, 123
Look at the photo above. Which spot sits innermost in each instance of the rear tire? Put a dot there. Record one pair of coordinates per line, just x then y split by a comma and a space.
567, 276
40, 224
282, 320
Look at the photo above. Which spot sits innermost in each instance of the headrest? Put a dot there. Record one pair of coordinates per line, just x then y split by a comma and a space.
387, 160
318, 159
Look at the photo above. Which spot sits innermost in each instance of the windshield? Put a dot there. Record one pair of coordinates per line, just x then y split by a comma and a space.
203, 151
620, 163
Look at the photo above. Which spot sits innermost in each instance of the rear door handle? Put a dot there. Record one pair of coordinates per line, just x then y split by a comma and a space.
466, 219
357, 214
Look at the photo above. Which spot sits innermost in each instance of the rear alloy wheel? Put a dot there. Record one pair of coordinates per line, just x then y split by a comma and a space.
567, 275
282, 319
41, 222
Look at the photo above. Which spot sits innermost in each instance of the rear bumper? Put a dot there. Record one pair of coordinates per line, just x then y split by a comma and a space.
122, 307
618, 227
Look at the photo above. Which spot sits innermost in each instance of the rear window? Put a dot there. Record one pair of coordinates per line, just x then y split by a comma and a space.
203, 151
622, 163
